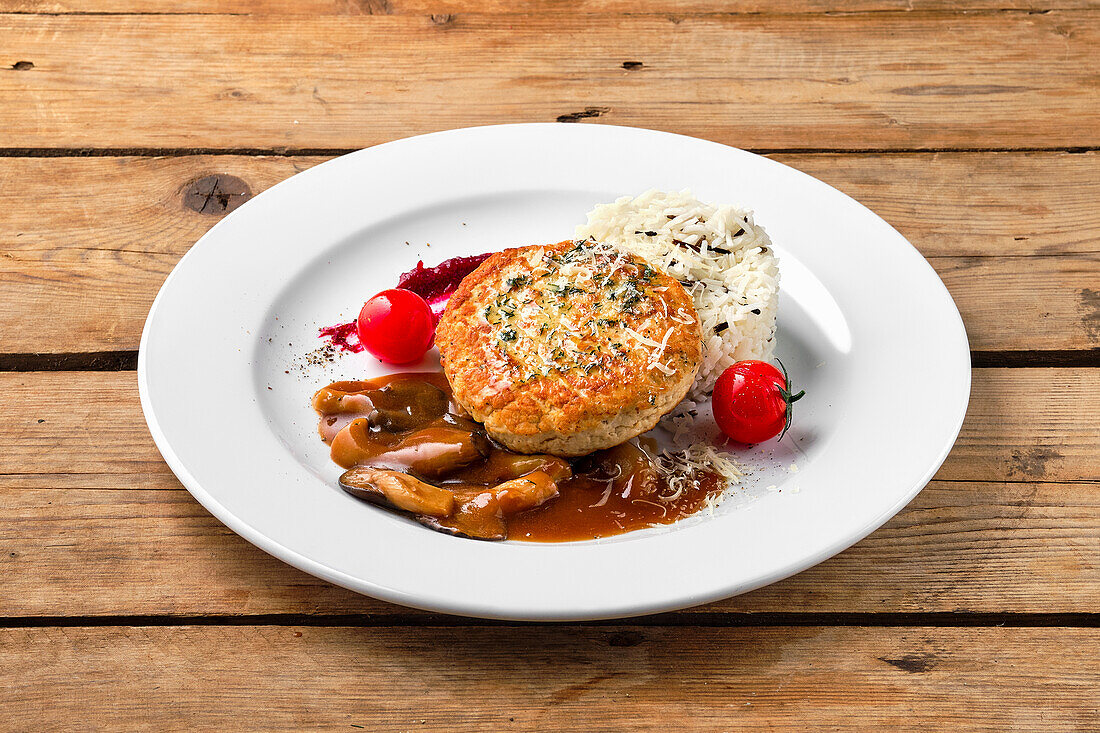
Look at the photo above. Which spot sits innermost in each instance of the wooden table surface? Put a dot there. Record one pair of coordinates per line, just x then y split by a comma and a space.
970, 125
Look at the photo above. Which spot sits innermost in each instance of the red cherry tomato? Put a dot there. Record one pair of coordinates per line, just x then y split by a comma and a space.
396, 326
752, 402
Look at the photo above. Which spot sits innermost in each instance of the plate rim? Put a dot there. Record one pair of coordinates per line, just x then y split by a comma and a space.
629, 607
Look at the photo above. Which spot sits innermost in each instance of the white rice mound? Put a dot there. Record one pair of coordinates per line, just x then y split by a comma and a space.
719, 254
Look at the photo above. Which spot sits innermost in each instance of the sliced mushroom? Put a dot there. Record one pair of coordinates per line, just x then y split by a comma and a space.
478, 517
343, 398
339, 404
627, 467
354, 445
398, 491
505, 466
526, 492
481, 512
465, 512
435, 452
331, 425
406, 405
430, 453
458, 421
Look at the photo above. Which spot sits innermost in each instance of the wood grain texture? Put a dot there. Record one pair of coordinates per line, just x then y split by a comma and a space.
1029, 424
974, 204
1022, 425
549, 678
877, 80
959, 547
113, 533
94, 524
1026, 303
440, 7
1009, 233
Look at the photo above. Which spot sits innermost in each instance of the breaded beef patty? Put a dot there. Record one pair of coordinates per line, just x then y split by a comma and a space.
568, 348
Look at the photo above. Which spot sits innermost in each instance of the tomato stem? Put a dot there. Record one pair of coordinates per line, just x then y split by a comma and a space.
788, 398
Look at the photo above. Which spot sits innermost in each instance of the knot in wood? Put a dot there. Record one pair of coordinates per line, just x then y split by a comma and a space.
217, 194
587, 113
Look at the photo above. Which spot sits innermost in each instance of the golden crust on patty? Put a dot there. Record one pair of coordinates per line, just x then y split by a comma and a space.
570, 347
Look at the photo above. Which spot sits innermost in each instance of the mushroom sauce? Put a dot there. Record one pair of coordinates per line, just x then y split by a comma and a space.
409, 447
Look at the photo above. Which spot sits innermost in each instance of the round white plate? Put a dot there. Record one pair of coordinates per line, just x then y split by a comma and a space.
865, 326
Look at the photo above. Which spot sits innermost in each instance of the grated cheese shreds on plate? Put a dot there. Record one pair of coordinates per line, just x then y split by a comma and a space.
682, 466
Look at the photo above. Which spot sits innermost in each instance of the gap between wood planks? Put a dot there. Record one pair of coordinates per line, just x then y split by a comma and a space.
56, 13
332, 152
956, 619
521, 10
126, 361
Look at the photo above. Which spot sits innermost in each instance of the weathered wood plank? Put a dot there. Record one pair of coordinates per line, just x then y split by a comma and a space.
549, 678
948, 204
96, 525
1030, 425
87, 299
1022, 425
877, 80
79, 269
438, 7
1028, 302
974, 547
974, 204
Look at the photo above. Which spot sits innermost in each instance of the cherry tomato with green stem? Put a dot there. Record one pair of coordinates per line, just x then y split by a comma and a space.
752, 402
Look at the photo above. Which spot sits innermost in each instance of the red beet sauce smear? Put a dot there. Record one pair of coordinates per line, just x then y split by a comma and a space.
343, 336
433, 284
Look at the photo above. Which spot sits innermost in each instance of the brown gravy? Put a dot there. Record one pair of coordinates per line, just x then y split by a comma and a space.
408, 422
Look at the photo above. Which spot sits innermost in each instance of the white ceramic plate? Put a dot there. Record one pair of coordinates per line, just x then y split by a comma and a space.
865, 326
